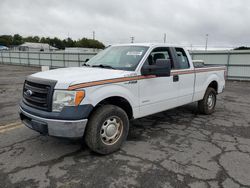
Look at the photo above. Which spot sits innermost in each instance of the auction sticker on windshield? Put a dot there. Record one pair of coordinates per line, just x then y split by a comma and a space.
134, 53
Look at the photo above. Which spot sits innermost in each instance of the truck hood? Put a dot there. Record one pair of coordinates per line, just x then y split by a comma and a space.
75, 75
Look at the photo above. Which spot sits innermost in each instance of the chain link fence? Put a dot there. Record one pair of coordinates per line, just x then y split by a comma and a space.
237, 62
52, 59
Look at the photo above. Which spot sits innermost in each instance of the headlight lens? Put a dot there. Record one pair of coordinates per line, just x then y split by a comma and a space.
63, 98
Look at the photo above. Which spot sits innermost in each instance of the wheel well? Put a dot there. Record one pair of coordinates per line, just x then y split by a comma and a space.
120, 102
214, 85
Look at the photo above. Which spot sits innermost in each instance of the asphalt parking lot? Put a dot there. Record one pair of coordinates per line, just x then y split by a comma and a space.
175, 148
11, 85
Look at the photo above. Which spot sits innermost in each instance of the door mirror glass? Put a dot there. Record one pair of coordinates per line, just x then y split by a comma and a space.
161, 68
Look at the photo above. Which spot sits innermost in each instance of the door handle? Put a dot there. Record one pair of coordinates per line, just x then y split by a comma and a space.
176, 78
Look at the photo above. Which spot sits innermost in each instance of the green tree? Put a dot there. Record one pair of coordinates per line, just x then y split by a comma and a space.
17, 39
242, 48
89, 43
69, 42
56, 42
6, 40
31, 39
44, 40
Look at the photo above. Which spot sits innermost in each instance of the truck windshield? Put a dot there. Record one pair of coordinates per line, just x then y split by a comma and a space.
119, 57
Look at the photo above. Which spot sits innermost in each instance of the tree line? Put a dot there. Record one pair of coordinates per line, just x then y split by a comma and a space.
15, 40
242, 48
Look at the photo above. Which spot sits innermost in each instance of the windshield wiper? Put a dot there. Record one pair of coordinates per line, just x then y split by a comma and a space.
104, 66
86, 65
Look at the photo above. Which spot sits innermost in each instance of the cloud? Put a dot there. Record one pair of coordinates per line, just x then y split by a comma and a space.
185, 22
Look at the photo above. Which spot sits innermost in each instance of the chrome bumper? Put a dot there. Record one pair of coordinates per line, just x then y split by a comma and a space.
54, 127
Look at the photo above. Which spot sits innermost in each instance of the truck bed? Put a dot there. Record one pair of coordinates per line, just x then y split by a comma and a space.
201, 64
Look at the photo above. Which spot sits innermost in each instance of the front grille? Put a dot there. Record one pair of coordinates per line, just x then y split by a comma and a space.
38, 93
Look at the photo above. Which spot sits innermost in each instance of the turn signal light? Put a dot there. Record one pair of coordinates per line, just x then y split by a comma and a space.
79, 97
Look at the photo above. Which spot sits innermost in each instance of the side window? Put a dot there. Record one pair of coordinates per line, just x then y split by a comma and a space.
159, 53
182, 58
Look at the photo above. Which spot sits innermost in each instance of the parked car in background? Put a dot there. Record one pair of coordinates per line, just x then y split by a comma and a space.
3, 47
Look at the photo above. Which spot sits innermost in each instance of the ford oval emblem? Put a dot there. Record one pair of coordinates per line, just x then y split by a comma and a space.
28, 92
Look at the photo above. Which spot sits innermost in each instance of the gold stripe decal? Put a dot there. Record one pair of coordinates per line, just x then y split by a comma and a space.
197, 70
133, 78
109, 81
182, 72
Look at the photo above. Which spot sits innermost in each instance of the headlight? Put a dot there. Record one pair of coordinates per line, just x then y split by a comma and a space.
63, 98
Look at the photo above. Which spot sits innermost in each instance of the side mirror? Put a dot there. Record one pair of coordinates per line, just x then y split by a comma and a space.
161, 68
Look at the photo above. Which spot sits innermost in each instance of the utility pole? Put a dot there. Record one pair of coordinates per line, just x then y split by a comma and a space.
206, 42
132, 39
191, 51
93, 35
165, 38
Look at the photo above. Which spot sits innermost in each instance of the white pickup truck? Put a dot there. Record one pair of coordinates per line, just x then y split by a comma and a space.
121, 83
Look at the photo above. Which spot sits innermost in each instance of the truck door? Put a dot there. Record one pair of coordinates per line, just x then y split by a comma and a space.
159, 93
186, 76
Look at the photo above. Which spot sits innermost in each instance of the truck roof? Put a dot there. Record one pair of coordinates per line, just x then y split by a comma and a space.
148, 45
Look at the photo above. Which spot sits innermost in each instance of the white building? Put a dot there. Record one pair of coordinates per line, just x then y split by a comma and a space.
32, 46
82, 50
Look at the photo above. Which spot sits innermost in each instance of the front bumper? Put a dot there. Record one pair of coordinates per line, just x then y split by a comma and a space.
54, 127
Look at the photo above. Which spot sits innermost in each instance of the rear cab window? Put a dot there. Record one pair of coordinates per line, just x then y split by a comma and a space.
182, 59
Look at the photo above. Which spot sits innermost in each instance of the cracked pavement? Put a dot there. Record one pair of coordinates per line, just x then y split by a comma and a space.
175, 148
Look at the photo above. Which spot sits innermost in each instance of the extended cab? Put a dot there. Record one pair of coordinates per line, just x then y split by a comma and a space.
121, 83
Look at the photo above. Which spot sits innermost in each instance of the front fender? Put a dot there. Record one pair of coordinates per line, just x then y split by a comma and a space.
96, 94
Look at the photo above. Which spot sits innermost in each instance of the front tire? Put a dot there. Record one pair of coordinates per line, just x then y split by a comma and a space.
207, 104
107, 129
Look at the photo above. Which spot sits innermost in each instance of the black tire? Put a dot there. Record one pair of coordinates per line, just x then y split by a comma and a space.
101, 124
205, 105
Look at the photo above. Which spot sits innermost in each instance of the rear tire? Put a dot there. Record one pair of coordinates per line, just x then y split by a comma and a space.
207, 104
107, 129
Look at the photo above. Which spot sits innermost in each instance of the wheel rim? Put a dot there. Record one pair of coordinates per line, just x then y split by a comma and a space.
111, 130
210, 101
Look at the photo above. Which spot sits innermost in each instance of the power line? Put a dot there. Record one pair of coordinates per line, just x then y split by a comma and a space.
93, 35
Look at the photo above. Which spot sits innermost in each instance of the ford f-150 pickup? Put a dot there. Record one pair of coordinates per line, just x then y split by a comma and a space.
123, 82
